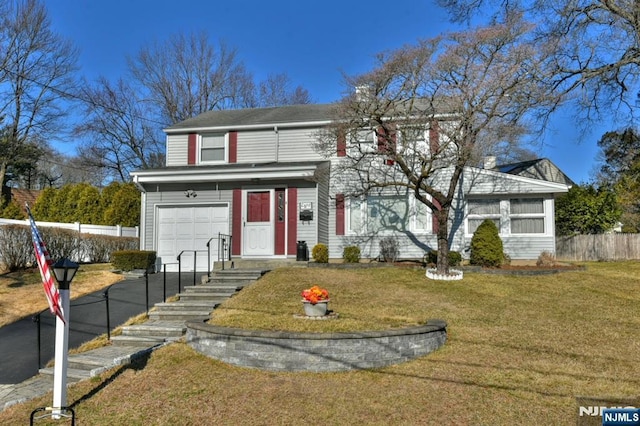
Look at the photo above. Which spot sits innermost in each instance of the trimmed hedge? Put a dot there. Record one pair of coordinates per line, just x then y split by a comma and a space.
128, 260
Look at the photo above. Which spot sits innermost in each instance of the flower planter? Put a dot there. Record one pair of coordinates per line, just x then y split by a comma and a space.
318, 309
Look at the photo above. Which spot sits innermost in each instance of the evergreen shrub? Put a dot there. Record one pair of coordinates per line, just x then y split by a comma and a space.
486, 246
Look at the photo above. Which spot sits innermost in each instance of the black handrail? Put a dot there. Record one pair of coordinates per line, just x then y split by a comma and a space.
224, 251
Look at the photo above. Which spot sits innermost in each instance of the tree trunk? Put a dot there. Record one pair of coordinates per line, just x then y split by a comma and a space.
3, 172
442, 216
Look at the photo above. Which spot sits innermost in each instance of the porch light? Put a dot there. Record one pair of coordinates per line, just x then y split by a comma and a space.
64, 270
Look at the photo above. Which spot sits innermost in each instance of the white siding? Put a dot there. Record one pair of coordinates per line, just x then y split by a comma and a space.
256, 146
177, 150
323, 209
297, 145
307, 231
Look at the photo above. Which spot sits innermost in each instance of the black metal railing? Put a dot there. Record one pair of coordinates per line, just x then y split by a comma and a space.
224, 250
105, 298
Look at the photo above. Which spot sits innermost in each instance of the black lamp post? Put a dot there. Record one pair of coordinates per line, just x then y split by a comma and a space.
64, 270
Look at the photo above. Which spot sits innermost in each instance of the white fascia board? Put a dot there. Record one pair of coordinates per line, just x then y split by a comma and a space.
191, 176
534, 185
249, 127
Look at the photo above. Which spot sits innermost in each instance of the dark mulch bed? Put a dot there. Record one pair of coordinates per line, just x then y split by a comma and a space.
503, 270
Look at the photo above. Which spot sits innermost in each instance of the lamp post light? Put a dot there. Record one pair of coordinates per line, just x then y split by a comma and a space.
64, 270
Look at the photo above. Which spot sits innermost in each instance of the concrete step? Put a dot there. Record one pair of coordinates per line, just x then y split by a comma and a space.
237, 282
190, 305
203, 296
148, 341
213, 289
86, 362
180, 315
73, 375
155, 329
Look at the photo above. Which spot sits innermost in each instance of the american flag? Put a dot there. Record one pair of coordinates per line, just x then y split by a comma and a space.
44, 265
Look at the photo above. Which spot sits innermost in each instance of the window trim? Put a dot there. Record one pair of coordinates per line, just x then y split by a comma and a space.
505, 215
201, 136
542, 216
364, 211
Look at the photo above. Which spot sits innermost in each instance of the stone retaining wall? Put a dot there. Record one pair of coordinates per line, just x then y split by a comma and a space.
284, 351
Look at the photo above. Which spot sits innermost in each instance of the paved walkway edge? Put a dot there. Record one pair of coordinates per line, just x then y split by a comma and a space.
41, 384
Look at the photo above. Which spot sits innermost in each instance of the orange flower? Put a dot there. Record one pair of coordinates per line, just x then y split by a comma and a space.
315, 294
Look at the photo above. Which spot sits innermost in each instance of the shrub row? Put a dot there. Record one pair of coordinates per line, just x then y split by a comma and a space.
16, 246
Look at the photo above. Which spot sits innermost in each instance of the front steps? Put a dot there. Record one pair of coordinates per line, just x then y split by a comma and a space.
167, 323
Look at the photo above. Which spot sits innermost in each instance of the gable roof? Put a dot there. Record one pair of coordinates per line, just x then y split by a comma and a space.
541, 168
257, 117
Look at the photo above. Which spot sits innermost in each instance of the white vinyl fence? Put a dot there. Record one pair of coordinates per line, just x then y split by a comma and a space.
115, 231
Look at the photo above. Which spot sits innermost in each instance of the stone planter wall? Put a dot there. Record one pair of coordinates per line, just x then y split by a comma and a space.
283, 351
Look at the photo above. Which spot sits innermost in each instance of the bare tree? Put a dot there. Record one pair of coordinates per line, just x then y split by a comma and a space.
595, 45
276, 91
186, 76
120, 136
436, 108
36, 70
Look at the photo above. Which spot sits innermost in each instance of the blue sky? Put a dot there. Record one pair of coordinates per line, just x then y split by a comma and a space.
313, 42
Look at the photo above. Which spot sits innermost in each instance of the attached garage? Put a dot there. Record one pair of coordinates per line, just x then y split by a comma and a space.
187, 229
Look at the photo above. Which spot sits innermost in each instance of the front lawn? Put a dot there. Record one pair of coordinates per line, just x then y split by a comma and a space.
22, 294
520, 350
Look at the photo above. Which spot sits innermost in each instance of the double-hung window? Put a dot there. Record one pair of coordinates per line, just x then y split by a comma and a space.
526, 215
481, 209
387, 213
213, 148
515, 216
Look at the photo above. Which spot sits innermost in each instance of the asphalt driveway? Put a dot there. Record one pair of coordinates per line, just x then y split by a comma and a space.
19, 358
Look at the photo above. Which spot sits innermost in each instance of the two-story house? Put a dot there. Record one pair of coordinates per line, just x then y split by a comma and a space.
254, 175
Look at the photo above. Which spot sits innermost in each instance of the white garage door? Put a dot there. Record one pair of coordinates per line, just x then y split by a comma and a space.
189, 229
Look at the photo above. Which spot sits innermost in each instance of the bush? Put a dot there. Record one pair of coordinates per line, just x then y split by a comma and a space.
11, 210
351, 254
389, 249
98, 248
320, 253
128, 260
62, 243
486, 246
546, 259
16, 248
455, 258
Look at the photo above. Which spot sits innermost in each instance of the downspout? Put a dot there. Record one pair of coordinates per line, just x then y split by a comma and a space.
275, 129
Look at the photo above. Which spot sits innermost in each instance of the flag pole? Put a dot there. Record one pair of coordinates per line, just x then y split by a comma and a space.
64, 271
61, 356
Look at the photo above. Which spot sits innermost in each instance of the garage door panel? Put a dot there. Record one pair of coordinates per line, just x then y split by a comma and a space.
188, 229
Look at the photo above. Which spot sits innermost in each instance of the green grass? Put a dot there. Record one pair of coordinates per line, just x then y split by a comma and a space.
520, 350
